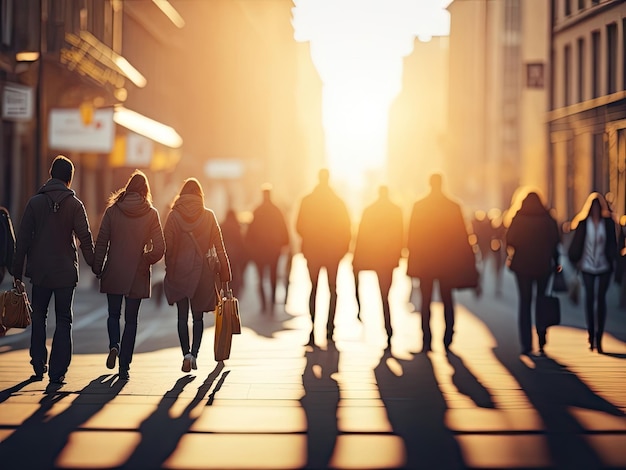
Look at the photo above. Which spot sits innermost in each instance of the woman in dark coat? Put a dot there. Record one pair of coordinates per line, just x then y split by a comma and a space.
593, 251
191, 230
533, 238
131, 241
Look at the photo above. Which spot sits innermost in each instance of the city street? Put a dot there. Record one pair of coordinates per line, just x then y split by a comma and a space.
277, 403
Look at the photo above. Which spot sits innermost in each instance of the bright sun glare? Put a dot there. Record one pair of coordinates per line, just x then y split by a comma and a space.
358, 47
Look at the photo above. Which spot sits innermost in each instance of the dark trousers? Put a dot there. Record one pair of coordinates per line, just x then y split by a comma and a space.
426, 291
131, 313
331, 273
183, 328
603, 281
525, 285
261, 268
384, 284
61, 351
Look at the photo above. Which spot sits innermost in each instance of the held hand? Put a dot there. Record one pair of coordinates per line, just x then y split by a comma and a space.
559, 268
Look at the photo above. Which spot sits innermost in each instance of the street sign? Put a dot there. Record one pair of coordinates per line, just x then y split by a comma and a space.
17, 102
67, 131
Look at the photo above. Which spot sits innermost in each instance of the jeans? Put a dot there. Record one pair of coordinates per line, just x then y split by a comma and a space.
525, 289
183, 328
131, 313
591, 297
61, 351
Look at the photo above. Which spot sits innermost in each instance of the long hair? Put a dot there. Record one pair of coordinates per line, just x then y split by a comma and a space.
137, 183
528, 197
190, 186
586, 209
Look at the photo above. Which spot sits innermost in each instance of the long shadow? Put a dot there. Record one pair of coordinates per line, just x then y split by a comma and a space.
160, 432
416, 410
39, 440
8, 392
320, 402
553, 390
467, 383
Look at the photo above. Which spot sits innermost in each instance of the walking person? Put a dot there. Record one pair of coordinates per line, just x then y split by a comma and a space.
532, 240
593, 251
378, 248
235, 246
191, 231
130, 241
266, 238
45, 240
323, 224
439, 249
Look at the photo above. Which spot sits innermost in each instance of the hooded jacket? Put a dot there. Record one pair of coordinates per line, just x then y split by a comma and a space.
129, 242
45, 238
186, 270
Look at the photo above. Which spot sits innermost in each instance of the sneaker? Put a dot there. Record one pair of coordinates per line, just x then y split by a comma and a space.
111, 358
187, 363
194, 365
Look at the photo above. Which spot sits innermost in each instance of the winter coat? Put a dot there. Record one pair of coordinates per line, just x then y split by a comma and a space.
380, 238
187, 274
267, 233
576, 248
129, 242
46, 237
438, 243
324, 225
534, 236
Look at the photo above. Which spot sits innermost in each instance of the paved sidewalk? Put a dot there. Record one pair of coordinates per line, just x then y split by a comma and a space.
278, 404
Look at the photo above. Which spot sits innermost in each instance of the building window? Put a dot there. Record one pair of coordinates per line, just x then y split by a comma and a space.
595, 77
580, 92
567, 75
611, 58
568, 7
624, 52
581, 4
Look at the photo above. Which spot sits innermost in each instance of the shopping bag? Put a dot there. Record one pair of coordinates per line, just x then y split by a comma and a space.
548, 312
16, 309
559, 283
231, 311
223, 332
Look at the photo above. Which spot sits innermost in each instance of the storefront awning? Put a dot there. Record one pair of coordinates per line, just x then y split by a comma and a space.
147, 127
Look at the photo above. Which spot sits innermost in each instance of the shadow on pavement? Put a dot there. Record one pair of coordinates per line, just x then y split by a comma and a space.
416, 410
467, 384
40, 439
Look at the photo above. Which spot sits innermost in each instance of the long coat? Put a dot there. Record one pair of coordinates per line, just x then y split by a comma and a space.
438, 243
324, 225
45, 237
187, 274
380, 237
575, 250
534, 236
129, 242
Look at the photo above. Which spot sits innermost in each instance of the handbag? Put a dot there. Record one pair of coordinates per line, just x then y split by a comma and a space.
16, 308
573, 292
559, 283
548, 311
223, 332
231, 310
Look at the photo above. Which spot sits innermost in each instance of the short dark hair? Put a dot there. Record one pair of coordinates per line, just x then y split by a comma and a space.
62, 169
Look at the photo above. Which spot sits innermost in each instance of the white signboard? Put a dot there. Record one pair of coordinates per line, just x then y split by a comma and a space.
17, 102
224, 169
138, 150
68, 132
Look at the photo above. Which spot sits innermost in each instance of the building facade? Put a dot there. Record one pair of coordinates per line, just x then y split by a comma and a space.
587, 118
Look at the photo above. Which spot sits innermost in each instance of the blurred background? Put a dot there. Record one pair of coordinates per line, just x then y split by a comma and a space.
493, 93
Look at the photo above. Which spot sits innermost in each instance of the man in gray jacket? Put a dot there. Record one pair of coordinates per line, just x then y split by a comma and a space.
45, 240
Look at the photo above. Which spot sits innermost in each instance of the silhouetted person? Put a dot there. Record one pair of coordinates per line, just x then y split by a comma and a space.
130, 241
7, 244
594, 251
378, 248
533, 238
323, 224
191, 231
45, 240
235, 246
266, 237
439, 249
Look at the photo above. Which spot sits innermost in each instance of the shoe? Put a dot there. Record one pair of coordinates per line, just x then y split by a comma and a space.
58, 380
39, 373
111, 358
187, 363
123, 374
194, 364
